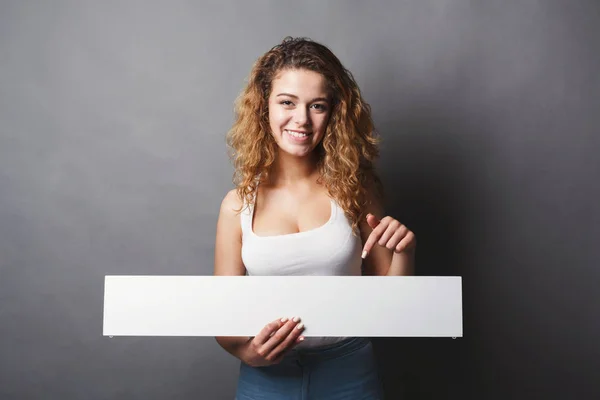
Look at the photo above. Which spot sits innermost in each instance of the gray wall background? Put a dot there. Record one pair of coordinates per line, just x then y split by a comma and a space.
113, 161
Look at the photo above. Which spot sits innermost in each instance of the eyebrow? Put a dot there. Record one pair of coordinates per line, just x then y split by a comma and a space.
295, 97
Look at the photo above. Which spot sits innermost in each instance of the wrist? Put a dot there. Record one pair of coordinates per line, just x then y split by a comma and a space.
242, 350
235, 345
403, 263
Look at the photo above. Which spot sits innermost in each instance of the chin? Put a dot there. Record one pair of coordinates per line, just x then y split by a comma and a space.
294, 150
296, 153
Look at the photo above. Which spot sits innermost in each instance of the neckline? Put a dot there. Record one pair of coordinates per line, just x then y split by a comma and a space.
332, 213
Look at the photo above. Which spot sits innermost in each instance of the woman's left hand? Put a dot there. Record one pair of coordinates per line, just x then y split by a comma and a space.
390, 233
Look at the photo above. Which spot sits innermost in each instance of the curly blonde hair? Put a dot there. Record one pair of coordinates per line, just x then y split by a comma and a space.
347, 153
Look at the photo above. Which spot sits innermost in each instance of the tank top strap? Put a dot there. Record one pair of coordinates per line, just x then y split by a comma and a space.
246, 216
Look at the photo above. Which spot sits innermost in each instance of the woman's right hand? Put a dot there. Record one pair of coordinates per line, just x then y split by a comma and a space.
273, 341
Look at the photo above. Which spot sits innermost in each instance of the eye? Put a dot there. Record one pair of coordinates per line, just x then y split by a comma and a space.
320, 107
286, 103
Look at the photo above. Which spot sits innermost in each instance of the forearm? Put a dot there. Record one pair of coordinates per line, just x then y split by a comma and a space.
402, 264
234, 345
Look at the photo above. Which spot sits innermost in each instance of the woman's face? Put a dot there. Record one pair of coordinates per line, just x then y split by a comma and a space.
299, 109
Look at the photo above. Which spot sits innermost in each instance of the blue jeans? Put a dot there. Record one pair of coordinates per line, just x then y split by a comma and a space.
344, 370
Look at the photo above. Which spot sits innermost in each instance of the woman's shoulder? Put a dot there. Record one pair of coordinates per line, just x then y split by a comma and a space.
373, 202
232, 203
374, 192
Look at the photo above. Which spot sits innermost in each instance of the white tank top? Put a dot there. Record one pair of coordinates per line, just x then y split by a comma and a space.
330, 249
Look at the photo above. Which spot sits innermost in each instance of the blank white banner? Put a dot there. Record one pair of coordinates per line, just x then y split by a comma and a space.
367, 306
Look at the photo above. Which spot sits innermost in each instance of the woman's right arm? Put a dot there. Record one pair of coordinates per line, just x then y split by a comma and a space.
277, 337
228, 259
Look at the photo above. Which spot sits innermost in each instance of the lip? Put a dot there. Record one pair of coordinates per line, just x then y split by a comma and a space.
294, 130
297, 139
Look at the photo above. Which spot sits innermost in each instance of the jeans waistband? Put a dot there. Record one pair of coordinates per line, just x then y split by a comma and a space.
332, 350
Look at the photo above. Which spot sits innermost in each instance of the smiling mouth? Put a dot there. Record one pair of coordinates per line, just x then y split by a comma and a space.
297, 134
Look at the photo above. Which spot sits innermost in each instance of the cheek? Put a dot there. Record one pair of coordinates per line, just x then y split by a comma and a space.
321, 122
276, 119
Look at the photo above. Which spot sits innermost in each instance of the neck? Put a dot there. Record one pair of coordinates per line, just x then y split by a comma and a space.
289, 170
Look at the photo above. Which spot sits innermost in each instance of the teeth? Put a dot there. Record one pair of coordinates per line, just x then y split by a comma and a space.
296, 134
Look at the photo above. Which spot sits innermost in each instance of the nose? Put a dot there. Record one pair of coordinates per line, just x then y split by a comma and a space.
302, 117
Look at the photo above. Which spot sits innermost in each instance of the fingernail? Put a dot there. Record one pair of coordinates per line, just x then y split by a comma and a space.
296, 319
284, 319
300, 326
301, 338
364, 254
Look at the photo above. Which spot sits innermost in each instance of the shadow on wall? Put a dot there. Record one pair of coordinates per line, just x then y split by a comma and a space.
427, 169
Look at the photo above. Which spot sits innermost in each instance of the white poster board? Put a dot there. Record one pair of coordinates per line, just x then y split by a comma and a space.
356, 306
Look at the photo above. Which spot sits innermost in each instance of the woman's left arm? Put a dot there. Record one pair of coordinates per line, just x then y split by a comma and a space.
388, 246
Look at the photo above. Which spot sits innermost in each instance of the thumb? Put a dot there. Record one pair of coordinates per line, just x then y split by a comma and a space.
372, 220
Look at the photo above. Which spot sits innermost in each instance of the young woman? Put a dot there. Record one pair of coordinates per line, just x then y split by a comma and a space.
307, 202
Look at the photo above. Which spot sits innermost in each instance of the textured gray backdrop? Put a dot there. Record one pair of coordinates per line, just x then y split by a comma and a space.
113, 161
